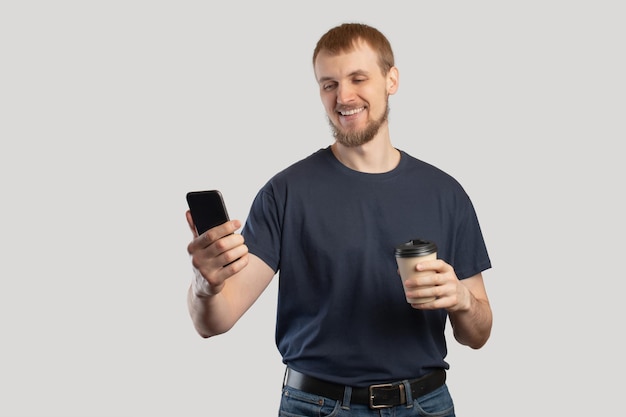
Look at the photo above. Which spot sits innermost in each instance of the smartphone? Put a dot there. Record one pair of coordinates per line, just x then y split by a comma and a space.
207, 209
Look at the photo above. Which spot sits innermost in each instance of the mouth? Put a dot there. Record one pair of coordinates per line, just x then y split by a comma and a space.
350, 112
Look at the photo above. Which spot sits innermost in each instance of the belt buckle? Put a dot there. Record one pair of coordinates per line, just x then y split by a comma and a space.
371, 390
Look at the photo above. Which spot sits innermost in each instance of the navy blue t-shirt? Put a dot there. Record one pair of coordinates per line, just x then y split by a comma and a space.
330, 233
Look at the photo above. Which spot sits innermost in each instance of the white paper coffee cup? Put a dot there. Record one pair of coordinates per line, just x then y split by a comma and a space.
408, 255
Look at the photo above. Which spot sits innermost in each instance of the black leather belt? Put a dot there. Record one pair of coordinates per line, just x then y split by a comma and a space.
376, 396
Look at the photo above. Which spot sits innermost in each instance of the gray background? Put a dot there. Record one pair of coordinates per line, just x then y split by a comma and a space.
111, 111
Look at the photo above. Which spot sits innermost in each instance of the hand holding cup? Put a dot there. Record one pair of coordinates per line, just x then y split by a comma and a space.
408, 255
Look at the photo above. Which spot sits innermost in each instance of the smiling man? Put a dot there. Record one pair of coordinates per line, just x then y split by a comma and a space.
351, 86
328, 224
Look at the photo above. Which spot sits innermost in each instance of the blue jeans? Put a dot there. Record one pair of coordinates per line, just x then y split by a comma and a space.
295, 403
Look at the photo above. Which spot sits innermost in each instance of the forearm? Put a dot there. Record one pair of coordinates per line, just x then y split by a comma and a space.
472, 326
209, 314
218, 313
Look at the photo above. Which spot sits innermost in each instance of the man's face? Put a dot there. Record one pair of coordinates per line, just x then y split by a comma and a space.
354, 93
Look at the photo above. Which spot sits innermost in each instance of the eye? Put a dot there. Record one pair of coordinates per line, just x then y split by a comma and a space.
328, 86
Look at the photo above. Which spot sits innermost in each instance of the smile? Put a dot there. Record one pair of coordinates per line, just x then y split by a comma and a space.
351, 112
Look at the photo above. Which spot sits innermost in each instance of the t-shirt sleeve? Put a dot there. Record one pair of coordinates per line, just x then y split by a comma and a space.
471, 252
261, 230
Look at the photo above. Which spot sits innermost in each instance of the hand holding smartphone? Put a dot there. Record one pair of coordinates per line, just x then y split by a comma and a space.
207, 209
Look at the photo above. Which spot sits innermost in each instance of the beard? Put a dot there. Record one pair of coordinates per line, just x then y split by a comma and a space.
352, 139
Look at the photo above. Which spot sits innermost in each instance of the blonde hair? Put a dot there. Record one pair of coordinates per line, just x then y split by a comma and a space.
345, 37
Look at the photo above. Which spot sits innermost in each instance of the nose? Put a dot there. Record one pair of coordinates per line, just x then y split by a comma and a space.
345, 93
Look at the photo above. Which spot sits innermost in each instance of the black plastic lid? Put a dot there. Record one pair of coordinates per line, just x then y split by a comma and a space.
415, 247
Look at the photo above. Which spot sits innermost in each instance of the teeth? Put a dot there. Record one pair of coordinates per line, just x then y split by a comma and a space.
351, 112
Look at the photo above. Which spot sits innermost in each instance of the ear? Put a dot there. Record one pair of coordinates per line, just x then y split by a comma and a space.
393, 80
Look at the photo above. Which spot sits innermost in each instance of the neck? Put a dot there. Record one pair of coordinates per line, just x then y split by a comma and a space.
372, 158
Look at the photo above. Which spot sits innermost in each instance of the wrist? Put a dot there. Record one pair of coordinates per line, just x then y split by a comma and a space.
201, 287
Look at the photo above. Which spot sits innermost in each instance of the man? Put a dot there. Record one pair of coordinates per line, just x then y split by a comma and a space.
328, 225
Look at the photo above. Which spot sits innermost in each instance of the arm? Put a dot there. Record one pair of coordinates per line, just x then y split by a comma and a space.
472, 318
216, 314
220, 295
466, 301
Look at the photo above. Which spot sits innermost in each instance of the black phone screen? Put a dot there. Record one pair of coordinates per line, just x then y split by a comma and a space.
207, 209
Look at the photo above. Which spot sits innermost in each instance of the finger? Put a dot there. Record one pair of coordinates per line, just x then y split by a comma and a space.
222, 230
214, 235
429, 265
191, 224
235, 254
426, 278
217, 270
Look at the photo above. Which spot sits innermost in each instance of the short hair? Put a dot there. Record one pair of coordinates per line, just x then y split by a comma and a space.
344, 38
